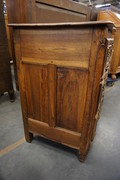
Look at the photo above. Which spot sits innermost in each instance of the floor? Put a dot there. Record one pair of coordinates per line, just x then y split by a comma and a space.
46, 160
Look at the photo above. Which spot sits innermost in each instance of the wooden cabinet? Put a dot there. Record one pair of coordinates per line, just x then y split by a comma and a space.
62, 70
5, 71
115, 18
44, 11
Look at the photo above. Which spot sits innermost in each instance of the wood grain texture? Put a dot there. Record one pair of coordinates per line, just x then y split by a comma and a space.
59, 99
36, 84
58, 14
21, 79
69, 5
17, 13
52, 94
57, 134
47, 11
19, 7
59, 49
70, 93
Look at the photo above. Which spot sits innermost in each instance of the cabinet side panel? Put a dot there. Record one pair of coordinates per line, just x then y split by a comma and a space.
71, 96
36, 84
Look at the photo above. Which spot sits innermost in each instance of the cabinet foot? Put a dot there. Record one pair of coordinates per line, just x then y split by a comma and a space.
11, 95
114, 76
81, 157
29, 137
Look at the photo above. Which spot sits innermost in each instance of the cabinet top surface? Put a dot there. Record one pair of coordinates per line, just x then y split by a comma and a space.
90, 23
111, 16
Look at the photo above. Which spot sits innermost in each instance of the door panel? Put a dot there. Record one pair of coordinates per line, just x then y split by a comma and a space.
70, 93
50, 14
36, 84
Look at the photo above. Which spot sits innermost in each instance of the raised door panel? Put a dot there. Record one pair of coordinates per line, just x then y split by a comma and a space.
71, 97
36, 85
50, 14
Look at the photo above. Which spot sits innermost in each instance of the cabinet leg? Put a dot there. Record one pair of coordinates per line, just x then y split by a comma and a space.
29, 137
81, 157
11, 95
114, 76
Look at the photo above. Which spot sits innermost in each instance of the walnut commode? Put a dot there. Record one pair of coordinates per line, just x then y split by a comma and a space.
62, 70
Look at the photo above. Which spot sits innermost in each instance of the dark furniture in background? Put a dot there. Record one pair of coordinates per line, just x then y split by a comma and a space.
5, 71
114, 17
62, 70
